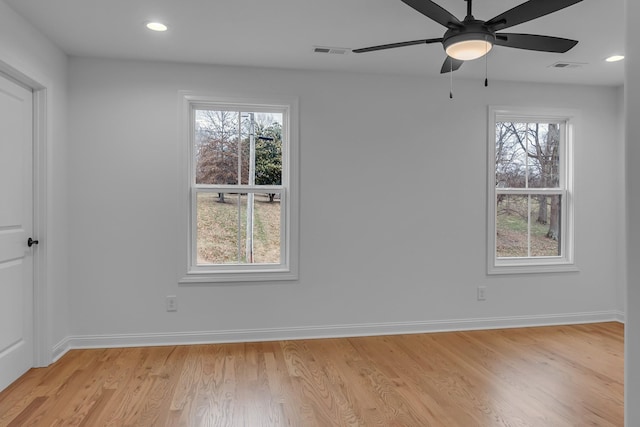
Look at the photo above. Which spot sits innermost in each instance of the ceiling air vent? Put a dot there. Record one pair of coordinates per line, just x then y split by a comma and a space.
332, 50
567, 65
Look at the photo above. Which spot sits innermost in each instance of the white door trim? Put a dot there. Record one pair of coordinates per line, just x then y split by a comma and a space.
42, 314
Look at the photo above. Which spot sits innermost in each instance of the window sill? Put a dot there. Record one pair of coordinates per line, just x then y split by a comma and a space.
530, 268
228, 277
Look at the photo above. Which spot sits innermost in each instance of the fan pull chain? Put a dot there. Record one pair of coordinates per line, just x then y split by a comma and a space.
486, 64
451, 80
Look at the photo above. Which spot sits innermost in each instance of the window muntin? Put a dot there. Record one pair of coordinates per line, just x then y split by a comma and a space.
530, 212
241, 214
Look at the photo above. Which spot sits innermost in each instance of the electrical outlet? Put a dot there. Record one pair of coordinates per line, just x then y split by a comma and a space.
172, 303
482, 293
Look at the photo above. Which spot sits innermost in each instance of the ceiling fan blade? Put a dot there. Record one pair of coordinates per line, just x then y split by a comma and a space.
526, 12
394, 45
450, 64
535, 42
435, 12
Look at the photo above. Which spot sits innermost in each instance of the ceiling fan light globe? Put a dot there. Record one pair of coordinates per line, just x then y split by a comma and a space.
467, 50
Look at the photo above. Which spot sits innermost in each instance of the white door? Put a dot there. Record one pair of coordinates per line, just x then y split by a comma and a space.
16, 225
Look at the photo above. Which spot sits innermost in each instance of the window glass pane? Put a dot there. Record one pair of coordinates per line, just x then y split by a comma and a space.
224, 236
268, 149
545, 225
543, 155
528, 226
527, 155
234, 147
511, 158
512, 226
217, 139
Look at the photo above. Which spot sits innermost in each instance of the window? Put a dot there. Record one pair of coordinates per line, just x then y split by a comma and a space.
239, 189
530, 220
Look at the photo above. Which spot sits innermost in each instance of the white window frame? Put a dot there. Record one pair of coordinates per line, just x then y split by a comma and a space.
515, 265
287, 269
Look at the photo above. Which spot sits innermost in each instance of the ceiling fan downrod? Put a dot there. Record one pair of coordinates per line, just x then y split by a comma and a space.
469, 14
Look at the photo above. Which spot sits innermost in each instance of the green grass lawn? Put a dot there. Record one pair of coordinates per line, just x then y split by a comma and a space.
218, 240
511, 238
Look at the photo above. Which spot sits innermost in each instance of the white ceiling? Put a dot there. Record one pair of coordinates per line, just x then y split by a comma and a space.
282, 34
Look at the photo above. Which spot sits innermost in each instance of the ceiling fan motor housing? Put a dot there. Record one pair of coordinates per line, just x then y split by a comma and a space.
472, 31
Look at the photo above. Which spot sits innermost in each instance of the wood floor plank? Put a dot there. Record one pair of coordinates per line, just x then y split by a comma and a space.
316, 388
163, 370
22, 417
549, 376
20, 395
411, 378
132, 383
501, 391
286, 390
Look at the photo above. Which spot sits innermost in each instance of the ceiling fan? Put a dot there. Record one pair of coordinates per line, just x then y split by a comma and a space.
472, 38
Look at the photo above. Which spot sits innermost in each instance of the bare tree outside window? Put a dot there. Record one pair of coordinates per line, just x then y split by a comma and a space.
527, 171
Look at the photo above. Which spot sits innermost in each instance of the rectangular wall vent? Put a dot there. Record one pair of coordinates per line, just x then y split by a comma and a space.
332, 50
567, 65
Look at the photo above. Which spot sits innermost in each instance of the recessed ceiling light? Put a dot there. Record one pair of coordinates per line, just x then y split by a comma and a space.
156, 26
615, 58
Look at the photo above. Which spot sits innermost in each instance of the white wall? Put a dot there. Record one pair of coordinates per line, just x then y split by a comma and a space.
27, 53
392, 209
621, 219
632, 325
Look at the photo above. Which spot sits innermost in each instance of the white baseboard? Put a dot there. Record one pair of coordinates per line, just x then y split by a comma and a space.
328, 331
60, 349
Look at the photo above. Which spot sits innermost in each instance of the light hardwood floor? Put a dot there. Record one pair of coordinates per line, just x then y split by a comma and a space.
549, 376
